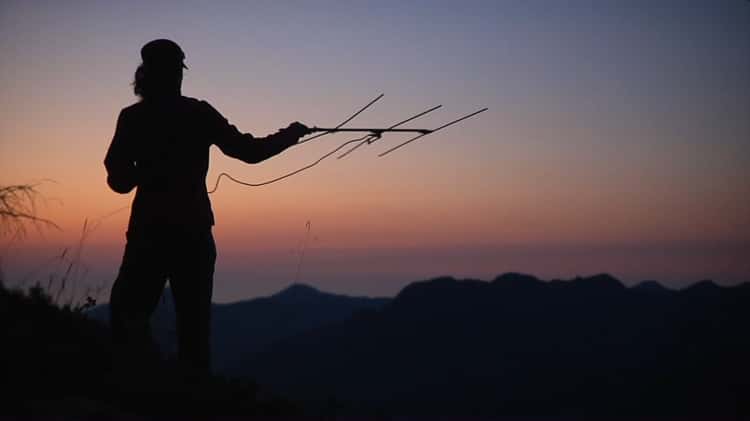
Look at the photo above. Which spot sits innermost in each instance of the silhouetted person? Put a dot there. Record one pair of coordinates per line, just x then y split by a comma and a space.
161, 148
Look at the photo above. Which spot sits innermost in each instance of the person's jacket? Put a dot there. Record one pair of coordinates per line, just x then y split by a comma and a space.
161, 148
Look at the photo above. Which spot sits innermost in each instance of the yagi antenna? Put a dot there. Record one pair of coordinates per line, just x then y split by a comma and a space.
377, 133
372, 134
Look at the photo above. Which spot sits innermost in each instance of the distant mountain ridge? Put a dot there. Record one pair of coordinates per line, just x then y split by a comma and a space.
516, 344
246, 327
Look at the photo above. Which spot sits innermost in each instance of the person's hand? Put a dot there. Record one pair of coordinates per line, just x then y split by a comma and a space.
298, 129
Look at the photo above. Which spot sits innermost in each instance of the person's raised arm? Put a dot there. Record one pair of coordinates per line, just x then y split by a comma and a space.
245, 146
119, 161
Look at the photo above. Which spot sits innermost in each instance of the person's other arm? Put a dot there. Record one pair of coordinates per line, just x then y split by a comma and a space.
245, 146
119, 162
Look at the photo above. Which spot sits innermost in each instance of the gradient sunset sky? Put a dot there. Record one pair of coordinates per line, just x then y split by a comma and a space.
617, 138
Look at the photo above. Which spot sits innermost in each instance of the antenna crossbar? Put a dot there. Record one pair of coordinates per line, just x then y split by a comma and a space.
369, 130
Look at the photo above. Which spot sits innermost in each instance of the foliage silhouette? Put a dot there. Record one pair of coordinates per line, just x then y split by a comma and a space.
58, 361
18, 208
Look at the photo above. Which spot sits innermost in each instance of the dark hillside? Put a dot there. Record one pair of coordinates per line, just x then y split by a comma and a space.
57, 361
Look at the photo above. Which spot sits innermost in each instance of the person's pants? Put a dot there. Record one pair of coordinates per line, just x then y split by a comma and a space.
151, 258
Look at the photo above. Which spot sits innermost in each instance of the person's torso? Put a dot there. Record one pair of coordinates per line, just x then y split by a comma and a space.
170, 144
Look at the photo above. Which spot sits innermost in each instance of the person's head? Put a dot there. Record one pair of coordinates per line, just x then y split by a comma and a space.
160, 74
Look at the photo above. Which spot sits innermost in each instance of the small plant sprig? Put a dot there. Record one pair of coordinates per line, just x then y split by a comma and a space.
18, 209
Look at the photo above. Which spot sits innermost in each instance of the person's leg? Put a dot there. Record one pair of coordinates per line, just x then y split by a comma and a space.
191, 281
135, 295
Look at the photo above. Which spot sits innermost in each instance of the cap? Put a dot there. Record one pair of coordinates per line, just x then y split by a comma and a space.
162, 52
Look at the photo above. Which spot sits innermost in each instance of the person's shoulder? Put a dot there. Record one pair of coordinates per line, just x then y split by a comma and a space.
141, 104
130, 110
194, 102
200, 106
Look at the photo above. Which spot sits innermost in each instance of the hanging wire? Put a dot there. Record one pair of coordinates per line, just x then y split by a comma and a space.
297, 171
